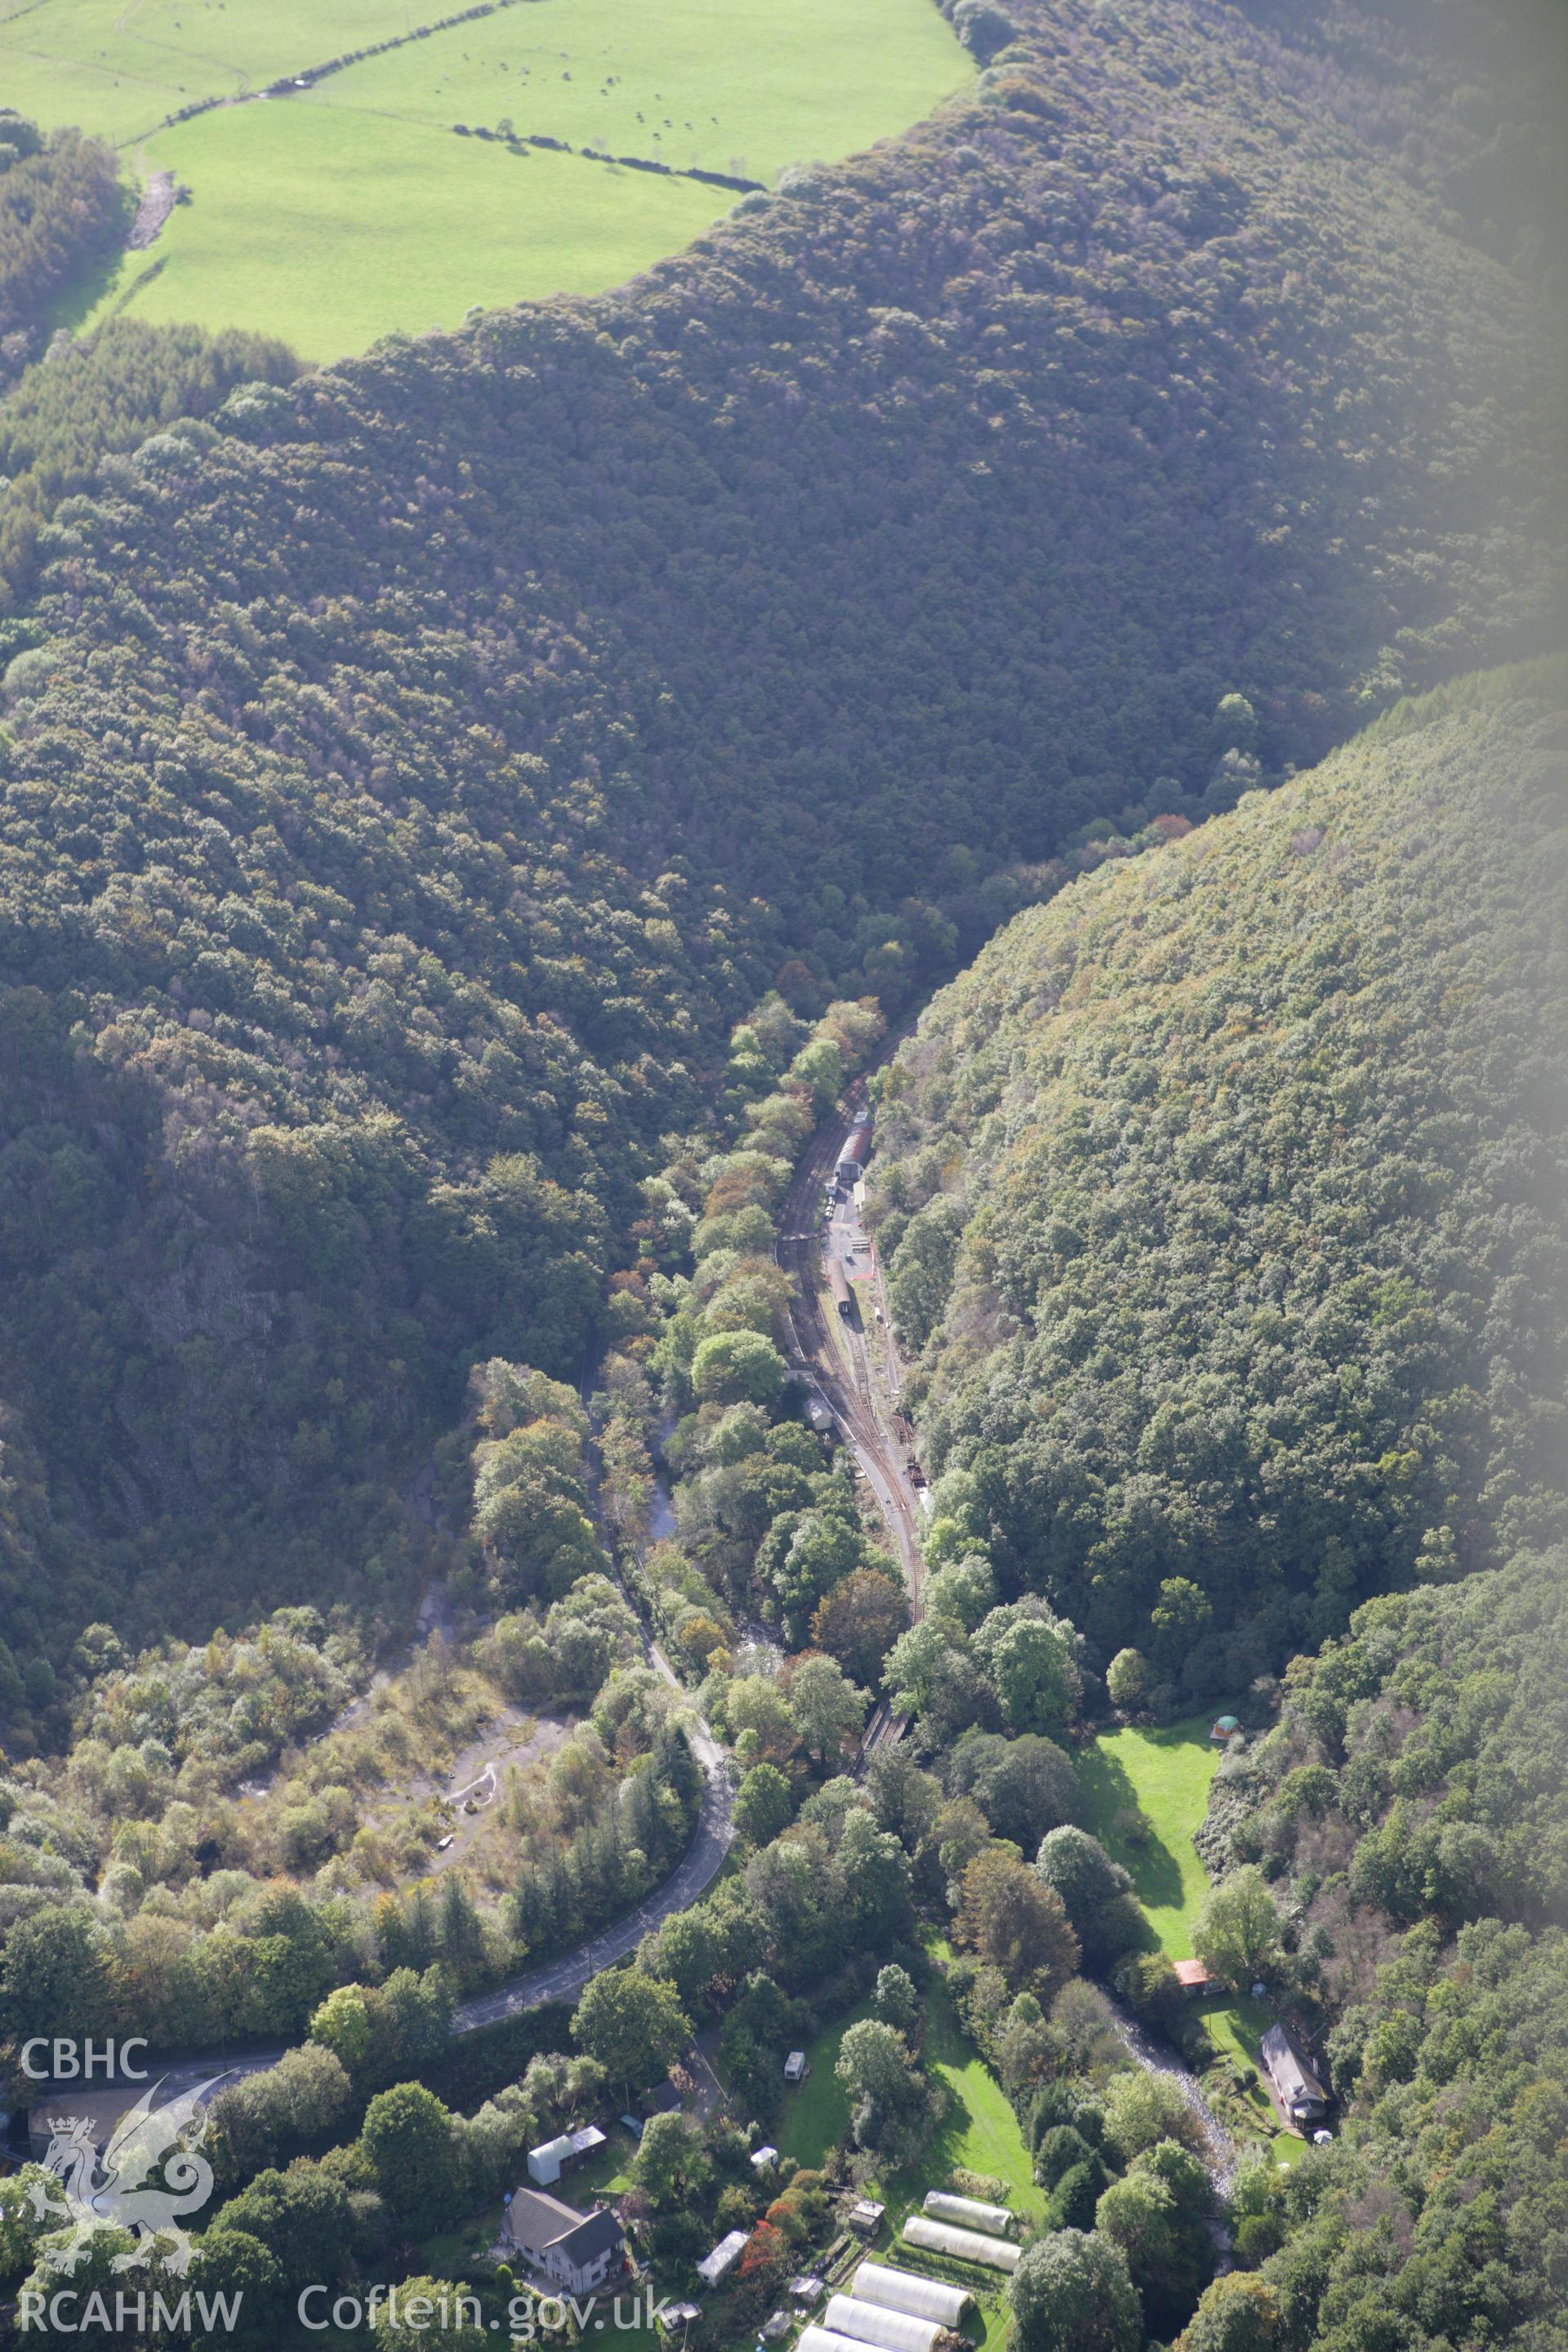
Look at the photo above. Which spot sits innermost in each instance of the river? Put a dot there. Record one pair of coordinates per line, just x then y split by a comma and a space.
1217, 2148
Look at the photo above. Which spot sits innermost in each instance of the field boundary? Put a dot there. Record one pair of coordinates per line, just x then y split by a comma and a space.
288, 84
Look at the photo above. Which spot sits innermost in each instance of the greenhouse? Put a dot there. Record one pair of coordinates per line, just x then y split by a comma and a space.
902, 2291
969, 2213
872, 2323
823, 2339
964, 2245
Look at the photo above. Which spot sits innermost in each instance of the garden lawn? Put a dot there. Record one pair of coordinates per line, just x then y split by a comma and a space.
980, 2132
1166, 1774
607, 2172
1237, 2026
817, 2112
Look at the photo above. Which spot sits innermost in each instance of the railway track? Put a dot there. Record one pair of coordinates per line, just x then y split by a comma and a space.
849, 1395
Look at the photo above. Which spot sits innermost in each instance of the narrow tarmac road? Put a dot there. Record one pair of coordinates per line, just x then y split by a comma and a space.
852, 1396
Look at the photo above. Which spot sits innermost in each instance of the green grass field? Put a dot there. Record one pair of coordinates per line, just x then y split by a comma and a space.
817, 2112
980, 2132
351, 210
1166, 1775
333, 242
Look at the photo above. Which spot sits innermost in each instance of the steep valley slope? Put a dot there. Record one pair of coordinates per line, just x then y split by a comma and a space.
413, 773
1222, 1207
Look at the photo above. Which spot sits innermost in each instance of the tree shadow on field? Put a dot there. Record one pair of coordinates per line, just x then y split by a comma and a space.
1154, 1870
115, 273
966, 2137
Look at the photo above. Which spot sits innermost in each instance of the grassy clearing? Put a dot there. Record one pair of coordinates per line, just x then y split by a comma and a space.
1166, 1775
333, 229
351, 210
980, 2132
817, 2112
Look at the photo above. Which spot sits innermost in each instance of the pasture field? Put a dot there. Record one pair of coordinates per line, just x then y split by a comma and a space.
117, 71
742, 86
331, 243
351, 209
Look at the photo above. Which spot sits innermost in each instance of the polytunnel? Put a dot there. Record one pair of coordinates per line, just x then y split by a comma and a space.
872, 2323
928, 2298
964, 2245
969, 2213
825, 2339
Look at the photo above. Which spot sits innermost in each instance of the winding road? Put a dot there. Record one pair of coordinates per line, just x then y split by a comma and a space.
556, 1981
839, 1368
562, 1980
876, 1446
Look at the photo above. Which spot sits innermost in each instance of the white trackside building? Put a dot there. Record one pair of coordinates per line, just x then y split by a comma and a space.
928, 2298
964, 2245
873, 2324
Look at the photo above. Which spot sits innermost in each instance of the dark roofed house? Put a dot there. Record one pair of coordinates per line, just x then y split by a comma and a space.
588, 2255
579, 2251
1301, 2094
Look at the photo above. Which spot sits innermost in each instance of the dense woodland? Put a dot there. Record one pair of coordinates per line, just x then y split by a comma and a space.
414, 771
466, 816
88, 399
1409, 1813
64, 206
1222, 1203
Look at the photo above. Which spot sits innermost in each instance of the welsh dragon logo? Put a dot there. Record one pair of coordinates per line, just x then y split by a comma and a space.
148, 2180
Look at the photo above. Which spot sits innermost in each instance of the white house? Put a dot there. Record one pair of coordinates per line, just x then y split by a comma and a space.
578, 2251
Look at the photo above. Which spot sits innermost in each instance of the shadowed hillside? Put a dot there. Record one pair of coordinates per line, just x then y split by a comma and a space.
412, 772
